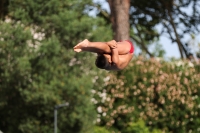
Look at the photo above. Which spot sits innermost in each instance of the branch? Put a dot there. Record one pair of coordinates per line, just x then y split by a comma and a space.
141, 42
102, 12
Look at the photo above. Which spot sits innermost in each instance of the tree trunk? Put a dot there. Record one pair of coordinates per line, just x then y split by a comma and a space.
3, 8
120, 18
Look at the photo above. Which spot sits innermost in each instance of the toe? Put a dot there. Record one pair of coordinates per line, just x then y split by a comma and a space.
78, 50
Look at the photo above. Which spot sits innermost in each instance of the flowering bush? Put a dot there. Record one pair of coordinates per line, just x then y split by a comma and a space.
164, 95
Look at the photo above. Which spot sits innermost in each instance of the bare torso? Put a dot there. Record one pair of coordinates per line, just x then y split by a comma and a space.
123, 62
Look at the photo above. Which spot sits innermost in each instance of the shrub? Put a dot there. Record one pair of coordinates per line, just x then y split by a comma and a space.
139, 127
98, 129
164, 95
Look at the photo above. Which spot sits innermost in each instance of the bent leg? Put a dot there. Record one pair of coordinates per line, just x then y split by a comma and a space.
96, 47
123, 47
102, 47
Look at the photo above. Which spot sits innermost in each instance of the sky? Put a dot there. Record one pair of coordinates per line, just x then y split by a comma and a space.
170, 49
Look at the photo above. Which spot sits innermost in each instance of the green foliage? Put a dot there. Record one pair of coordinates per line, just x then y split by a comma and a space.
100, 130
101, 32
34, 80
158, 51
140, 127
67, 19
164, 95
39, 69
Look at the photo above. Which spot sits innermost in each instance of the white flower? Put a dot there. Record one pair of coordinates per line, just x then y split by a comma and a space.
106, 79
104, 114
99, 109
190, 64
179, 63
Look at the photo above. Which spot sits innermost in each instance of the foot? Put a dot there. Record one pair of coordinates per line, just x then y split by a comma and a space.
79, 46
112, 44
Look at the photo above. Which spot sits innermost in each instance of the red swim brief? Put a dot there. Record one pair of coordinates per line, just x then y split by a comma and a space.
132, 47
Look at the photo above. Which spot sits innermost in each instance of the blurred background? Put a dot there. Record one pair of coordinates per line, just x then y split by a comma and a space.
40, 73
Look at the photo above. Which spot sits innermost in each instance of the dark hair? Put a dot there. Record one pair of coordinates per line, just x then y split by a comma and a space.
101, 61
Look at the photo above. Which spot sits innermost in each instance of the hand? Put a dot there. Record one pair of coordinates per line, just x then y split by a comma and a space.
112, 44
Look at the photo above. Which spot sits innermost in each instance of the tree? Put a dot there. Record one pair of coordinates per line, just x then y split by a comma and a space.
38, 68
33, 81
121, 22
145, 15
120, 18
143, 25
176, 21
